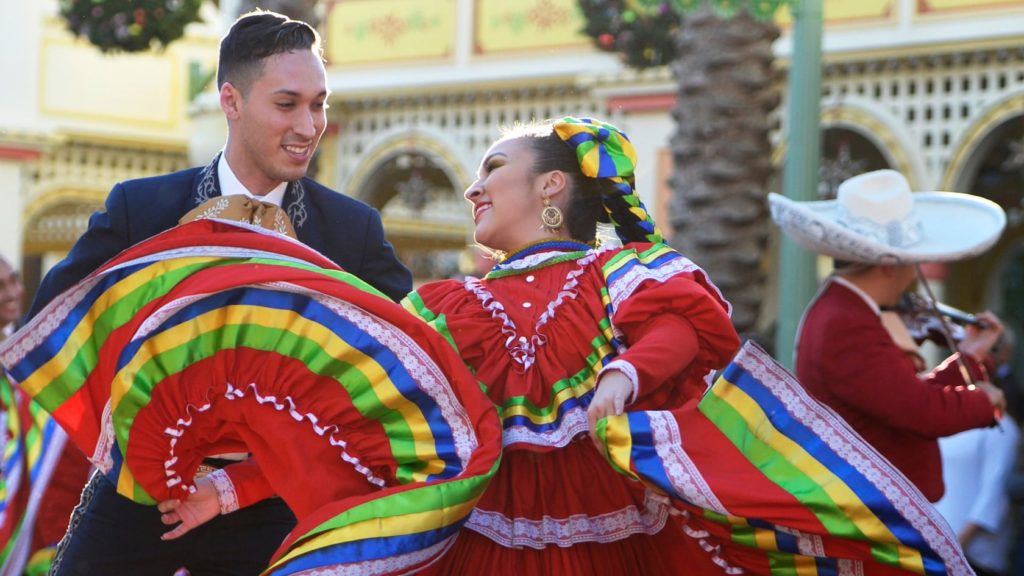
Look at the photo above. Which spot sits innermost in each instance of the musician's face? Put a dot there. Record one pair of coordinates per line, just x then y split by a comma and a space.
901, 277
905, 276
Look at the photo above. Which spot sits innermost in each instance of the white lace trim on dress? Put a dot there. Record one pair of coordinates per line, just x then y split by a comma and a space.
522, 349
227, 498
575, 529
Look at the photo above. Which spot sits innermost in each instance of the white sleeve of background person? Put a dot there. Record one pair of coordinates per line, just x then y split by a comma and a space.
1000, 452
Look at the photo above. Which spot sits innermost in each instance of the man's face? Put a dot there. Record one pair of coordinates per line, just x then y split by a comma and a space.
901, 278
276, 126
11, 292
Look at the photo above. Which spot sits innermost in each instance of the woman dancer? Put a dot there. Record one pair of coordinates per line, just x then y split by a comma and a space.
562, 332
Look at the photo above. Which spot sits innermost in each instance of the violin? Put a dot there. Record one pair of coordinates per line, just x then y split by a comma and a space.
924, 325
941, 323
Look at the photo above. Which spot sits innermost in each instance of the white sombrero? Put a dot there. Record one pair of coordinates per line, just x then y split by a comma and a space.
876, 219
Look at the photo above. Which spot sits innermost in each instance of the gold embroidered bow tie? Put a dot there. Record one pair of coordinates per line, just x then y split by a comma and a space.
241, 208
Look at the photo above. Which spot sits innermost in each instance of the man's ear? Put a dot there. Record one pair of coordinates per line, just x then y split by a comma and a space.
230, 100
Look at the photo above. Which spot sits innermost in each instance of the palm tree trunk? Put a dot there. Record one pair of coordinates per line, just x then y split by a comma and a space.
722, 153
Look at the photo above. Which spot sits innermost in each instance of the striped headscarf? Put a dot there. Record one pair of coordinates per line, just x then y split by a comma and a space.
603, 151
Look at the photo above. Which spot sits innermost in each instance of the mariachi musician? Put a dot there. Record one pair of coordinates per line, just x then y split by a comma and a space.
878, 232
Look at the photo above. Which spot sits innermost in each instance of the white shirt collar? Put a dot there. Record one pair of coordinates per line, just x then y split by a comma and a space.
230, 184
856, 290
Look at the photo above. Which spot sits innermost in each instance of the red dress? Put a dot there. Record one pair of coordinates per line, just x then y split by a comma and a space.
537, 331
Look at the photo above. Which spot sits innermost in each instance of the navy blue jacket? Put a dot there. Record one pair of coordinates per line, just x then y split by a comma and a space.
343, 229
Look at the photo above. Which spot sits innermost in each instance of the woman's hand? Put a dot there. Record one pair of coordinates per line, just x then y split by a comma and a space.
200, 507
613, 389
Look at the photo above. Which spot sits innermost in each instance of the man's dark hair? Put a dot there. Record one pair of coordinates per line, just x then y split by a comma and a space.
256, 36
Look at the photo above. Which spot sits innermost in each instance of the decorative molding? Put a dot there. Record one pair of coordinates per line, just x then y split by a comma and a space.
501, 26
974, 136
877, 131
359, 32
413, 141
70, 180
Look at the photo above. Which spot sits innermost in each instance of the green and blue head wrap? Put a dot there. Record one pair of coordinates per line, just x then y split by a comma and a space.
603, 151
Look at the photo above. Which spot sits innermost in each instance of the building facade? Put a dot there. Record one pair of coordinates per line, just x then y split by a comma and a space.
933, 88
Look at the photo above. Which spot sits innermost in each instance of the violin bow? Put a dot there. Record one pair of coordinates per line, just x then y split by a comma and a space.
933, 308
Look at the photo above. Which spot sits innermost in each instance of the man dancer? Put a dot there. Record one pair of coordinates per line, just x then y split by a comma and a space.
273, 91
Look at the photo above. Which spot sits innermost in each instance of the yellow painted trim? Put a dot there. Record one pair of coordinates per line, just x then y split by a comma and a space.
400, 64
39, 248
441, 232
142, 143
976, 134
920, 50
980, 9
583, 47
574, 36
176, 89
40, 205
380, 57
885, 13
459, 88
327, 167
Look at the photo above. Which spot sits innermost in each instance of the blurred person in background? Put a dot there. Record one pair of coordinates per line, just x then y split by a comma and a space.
11, 294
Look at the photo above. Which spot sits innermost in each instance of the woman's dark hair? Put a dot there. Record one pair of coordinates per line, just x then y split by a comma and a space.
256, 36
592, 200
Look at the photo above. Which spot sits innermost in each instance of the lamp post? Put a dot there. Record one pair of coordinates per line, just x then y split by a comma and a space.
796, 274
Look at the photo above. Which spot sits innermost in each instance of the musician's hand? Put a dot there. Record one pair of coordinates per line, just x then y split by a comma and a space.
979, 341
968, 533
613, 390
995, 396
198, 508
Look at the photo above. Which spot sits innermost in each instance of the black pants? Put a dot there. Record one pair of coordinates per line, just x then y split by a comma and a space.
112, 536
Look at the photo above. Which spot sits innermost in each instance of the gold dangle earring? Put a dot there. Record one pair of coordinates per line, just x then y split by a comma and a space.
551, 217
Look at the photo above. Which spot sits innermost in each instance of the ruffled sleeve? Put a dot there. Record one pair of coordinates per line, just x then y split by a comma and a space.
443, 305
672, 322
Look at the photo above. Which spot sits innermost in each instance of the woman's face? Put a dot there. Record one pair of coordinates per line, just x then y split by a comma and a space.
507, 197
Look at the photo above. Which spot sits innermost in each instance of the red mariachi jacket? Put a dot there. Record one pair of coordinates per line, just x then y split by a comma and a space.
847, 360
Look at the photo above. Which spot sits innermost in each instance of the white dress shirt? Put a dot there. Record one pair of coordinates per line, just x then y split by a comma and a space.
975, 467
230, 184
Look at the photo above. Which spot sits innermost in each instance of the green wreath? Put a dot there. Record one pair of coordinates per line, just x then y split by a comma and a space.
643, 31
645, 37
129, 25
